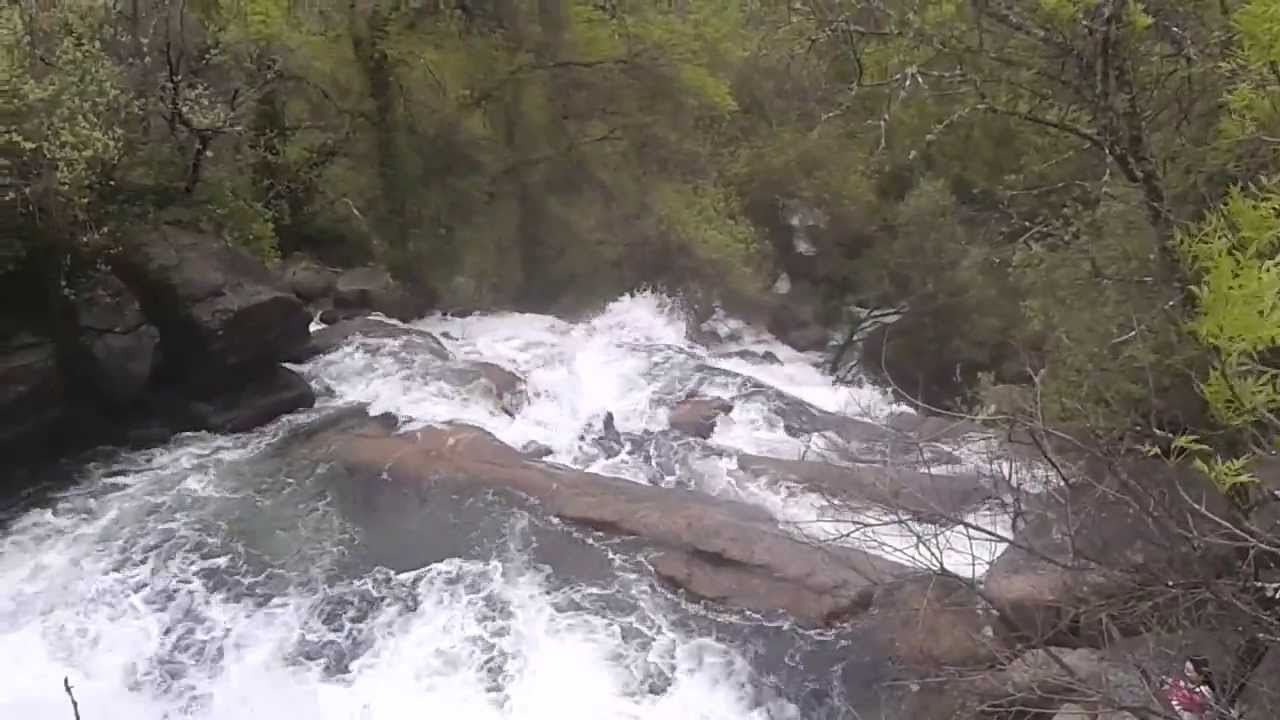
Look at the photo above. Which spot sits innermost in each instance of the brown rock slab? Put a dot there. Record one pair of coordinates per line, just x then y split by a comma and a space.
717, 549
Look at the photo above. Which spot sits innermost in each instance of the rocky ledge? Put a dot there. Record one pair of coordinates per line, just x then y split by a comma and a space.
173, 330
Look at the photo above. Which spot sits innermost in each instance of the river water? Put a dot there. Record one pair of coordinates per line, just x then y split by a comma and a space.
225, 577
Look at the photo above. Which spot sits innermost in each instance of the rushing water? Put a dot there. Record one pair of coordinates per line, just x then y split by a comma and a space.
224, 577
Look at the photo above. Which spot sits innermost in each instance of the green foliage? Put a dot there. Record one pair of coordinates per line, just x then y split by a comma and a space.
71, 106
1114, 357
1233, 255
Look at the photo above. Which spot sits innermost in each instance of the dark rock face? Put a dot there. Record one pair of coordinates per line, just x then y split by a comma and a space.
713, 548
118, 347
307, 278
32, 392
374, 289
217, 308
336, 335
259, 401
697, 416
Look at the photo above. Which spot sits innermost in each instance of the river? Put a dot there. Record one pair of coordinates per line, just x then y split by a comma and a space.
221, 577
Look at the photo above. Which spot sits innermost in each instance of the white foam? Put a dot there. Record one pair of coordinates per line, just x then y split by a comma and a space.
110, 586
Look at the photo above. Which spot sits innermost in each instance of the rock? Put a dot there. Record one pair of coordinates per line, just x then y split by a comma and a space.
307, 278
609, 441
533, 450
767, 357
1038, 685
507, 387
930, 622
808, 338
261, 400
791, 321
942, 498
720, 549
335, 336
1104, 552
1260, 697
933, 428
116, 346
374, 289
697, 416
800, 418
1039, 678
32, 394
331, 316
217, 307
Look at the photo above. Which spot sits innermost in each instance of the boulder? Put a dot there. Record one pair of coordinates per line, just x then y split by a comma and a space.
217, 307
331, 338
697, 416
332, 316
117, 348
32, 395
507, 387
792, 322
374, 289
712, 547
534, 450
262, 399
1039, 684
931, 622
1045, 677
942, 498
307, 278
1100, 557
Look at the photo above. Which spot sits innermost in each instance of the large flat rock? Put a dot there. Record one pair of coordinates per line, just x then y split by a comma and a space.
716, 549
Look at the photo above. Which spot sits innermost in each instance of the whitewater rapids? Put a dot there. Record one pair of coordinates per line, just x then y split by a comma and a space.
204, 579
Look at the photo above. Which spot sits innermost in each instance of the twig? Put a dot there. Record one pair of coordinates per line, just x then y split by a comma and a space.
75, 706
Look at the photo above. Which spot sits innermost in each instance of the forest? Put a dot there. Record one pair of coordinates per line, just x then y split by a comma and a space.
1068, 197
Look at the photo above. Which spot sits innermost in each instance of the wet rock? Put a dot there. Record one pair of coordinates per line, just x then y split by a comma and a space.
697, 416
767, 357
116, 346
535, 450
374, 289
793, 323
261, 400
1260, 697
722, 549
307, 278
507, 387
609, 441
1090, 561
942, 498
931, 622
32, 394
800, 418
331, 338
218, 309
